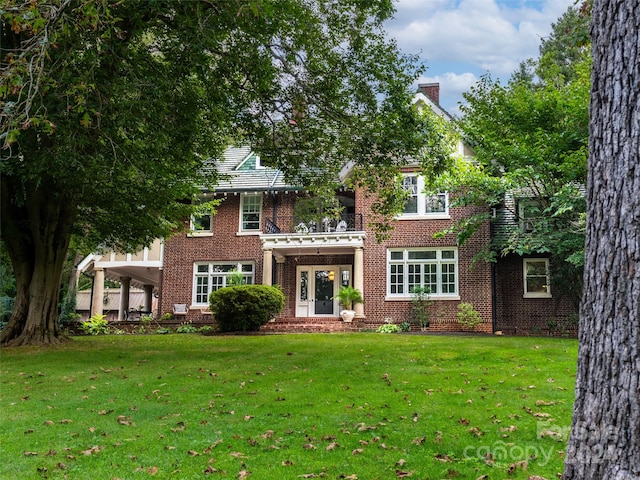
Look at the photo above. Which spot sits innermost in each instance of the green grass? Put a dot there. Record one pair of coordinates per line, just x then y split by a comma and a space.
365, 406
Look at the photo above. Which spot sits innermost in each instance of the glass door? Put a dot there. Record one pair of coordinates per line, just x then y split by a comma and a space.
316, 288
324, 287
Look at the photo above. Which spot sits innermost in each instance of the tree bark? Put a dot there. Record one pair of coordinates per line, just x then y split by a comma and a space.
36, 233
605, 433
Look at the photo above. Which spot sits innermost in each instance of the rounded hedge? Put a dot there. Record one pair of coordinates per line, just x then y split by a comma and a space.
244, 308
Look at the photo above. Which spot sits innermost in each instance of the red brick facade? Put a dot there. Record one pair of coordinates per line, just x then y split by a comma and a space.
225, 244
523, 316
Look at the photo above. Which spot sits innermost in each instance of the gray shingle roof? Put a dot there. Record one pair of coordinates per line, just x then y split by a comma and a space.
236, 164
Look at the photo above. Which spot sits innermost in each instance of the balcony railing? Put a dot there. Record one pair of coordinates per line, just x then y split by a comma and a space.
321, 224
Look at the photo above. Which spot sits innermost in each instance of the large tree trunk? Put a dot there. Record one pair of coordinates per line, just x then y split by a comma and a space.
36, 230
605, 434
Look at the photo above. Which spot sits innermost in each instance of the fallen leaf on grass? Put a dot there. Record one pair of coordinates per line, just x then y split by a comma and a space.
238, 455
123, 420
30, 454
244, 474
357, 451
443, 458
418, 440
401, 474
332, 446
515, 466
92, 450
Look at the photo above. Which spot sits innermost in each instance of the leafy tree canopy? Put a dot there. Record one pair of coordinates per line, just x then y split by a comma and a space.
531, 142
110, 108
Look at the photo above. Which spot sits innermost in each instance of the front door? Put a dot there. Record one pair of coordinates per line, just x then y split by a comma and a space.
317, 287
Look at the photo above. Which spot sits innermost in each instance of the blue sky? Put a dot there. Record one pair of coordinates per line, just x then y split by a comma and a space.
461, 40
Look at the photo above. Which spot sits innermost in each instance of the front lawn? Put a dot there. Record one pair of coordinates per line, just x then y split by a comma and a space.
351, 406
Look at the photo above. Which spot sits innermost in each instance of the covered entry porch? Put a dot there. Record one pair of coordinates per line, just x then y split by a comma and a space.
311, 268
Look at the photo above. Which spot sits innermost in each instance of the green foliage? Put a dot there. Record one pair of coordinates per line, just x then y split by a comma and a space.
405, 326
420, 313
206, 329
235, 278
388, 328
68, 311
163, 330
348, 296
530, 138
186, 327
96, 325
165, 317
468, 316
245, 308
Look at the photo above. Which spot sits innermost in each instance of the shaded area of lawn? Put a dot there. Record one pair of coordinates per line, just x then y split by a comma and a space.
287, 406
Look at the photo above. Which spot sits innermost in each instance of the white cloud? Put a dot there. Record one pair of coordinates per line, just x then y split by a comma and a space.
481, 33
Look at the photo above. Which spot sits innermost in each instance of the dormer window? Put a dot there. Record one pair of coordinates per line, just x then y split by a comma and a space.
420, 205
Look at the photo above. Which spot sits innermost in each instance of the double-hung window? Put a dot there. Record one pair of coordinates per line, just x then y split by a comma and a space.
209, 277
536, 278
420, 205
435, 269
251, 213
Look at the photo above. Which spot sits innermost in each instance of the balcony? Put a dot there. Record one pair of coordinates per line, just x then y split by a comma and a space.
321, 224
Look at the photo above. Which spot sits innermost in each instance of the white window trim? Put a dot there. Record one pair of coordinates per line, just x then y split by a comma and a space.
242, 231
421, 214
434, 296
524, 279
237, 265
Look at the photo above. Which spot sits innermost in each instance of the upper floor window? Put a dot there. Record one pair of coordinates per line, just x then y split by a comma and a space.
201, 222
435, 269
529, 212
419, 204
536, 277
201, 219
251, 213
209, 277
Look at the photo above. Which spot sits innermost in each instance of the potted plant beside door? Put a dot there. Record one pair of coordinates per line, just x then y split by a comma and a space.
348, 296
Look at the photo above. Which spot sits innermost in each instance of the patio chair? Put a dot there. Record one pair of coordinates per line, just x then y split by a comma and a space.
180, 309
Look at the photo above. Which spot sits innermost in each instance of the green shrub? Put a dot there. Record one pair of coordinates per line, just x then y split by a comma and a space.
468, 316
244, 308
405, 327
186, 327
421, 302
205, 329
163, 330
388, 328
96, 325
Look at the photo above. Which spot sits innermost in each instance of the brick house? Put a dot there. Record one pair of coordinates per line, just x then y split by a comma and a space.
255, 231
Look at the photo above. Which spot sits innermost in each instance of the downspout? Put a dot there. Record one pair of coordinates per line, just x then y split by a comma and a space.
493, 298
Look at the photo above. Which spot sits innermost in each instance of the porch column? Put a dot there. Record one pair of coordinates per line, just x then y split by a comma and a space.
97, 298
267, 267
148, 296
125, 286
358, 279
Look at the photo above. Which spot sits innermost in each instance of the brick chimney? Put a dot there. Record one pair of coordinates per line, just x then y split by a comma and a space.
431, 90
